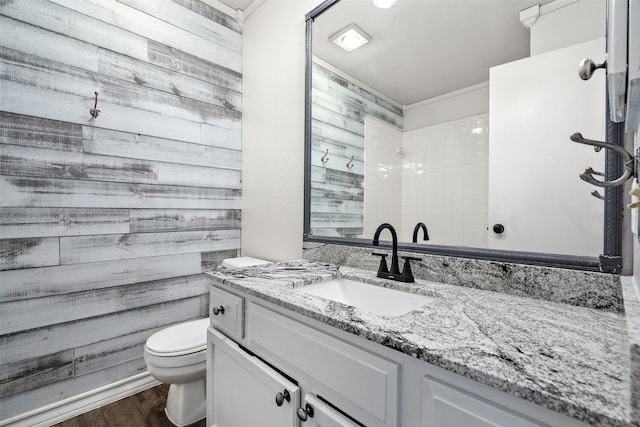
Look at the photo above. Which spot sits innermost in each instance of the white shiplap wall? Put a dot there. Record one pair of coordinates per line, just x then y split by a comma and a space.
107, 224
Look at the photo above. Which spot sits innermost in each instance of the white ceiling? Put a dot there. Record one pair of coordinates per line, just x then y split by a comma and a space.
424, 48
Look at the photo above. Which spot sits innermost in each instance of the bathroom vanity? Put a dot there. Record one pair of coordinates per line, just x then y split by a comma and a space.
282, 356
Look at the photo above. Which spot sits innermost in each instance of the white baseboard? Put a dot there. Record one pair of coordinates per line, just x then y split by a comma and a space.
85, 402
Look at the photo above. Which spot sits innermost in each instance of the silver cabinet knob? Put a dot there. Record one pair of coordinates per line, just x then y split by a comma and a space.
587, 68
217, 310
282, 396
305, 413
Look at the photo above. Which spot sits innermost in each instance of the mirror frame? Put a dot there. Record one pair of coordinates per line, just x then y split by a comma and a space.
609, 262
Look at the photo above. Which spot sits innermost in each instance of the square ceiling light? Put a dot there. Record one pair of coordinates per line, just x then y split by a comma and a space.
384, 4
350, 37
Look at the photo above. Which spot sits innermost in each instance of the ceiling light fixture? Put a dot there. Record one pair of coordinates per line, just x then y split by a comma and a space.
384, 4
350, 37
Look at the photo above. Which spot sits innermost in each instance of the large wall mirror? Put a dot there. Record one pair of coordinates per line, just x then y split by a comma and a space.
457, 114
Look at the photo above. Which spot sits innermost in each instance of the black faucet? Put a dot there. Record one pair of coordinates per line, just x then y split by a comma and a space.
394, 274
417, 228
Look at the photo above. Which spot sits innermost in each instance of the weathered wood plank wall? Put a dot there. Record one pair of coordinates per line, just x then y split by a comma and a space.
106, 224
339, 107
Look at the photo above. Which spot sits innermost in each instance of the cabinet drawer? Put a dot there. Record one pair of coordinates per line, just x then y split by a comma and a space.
230, 312
446, 406
358, 382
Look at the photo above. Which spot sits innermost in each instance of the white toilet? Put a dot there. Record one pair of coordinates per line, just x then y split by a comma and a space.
177, 355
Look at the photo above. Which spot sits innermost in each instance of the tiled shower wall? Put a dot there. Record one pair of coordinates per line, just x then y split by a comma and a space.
445, 181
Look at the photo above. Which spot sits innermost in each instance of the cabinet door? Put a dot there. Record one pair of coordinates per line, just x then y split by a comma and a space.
445, 406
362, 384
323, 415
243, 389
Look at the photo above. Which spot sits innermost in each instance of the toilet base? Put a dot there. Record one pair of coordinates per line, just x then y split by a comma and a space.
186, 403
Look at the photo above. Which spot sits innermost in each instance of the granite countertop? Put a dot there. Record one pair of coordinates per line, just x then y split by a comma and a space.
573, 360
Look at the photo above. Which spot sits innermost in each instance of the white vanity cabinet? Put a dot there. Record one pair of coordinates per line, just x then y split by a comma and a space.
273, 367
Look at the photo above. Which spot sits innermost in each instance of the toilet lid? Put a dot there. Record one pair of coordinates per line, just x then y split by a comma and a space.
243, 262
183, 338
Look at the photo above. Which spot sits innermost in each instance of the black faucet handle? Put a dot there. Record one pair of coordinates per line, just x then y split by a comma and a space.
383, 262
407, 274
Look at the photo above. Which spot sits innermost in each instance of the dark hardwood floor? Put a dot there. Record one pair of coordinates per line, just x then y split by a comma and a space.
145, 409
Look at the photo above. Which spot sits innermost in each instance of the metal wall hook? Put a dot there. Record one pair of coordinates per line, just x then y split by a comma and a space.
94, 111
350, 163
597, 195
324, 159
587, 175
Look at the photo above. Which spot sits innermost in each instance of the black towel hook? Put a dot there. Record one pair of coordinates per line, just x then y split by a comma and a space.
350, 163
324, 158
94, 111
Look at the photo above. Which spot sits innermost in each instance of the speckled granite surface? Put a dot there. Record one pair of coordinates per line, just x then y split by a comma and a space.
632, 314
575, 287
573, 360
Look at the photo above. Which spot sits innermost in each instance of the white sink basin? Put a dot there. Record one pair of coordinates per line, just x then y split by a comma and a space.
371, 298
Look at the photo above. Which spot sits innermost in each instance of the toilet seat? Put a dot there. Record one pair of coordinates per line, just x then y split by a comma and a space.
179, 340
159, 361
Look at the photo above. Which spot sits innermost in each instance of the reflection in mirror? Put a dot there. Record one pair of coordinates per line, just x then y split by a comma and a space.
458, 115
